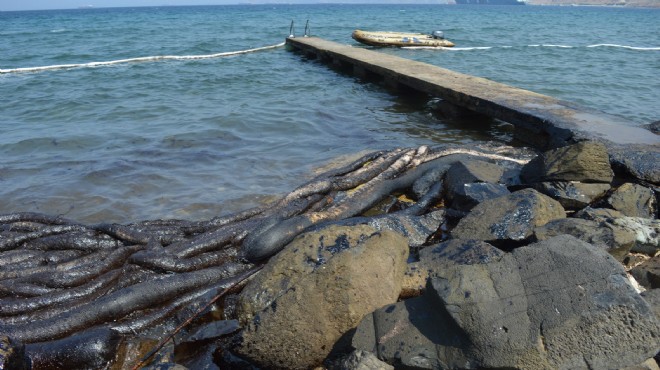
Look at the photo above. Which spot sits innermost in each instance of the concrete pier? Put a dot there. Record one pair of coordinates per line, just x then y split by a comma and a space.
540, 120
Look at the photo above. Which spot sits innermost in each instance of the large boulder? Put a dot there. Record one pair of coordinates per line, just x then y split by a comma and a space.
556, 304
468, 183
652, 296
634, 200
614, 239
447, 253
608, 229
598, 214
643, 164
468, 171
424, 183
654, 127
474, 193
508, 218
412, 334
646, 231
457, 251
315, 290
586, 161
573, 195
417, 229
648, 273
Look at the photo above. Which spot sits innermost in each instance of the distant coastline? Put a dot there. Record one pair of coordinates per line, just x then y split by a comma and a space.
622, 3
607, 3
491, 2
617, 3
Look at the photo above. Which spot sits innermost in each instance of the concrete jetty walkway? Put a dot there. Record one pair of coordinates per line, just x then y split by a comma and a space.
540, 120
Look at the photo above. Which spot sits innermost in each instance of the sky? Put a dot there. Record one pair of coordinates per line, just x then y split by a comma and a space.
7, 5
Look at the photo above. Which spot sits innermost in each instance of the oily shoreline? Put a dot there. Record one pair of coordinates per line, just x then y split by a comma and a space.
525, 275
414, 200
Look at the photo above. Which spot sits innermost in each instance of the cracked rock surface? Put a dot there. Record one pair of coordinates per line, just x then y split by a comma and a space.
557, 304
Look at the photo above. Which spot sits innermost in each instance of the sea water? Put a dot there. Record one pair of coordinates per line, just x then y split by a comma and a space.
180, 137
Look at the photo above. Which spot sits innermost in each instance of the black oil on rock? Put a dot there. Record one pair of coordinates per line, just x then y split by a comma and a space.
530, 277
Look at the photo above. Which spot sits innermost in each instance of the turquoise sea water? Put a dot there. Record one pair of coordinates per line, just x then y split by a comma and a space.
195, 138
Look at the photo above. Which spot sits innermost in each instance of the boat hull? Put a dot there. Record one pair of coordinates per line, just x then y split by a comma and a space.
400, 39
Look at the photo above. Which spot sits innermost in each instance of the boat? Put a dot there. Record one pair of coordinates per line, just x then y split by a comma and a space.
384, 38
491, 2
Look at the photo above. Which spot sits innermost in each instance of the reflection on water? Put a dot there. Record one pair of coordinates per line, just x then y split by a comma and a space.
197, 138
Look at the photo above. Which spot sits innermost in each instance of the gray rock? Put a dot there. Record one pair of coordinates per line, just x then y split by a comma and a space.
511, 176
361, 360
315, 290
468, 183
647, 274
634, 200
586, 161
654, 127
641, 164
414, 280
598, 214
417, 229
508, 218
573, 195
578, 301
422, 185
458, 251
649, 364
472, 194
466, 172
646, 231
617, 241
408, 334
652, 296
447, 253
557, 304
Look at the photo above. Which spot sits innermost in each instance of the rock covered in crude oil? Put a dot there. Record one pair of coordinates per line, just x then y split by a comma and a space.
648, 273
315, 290
468, 183
509, 218
615, 240
575, 301
458, 251
573, 195
634, 200
417, 229
584, 162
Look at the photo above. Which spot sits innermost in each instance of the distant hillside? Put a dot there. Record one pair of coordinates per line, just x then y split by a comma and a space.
635, 3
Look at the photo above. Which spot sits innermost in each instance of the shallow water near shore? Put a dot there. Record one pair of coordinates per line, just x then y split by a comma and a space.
194, 139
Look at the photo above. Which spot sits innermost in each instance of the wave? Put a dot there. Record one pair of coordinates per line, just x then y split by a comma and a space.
425, 48
550, 46
536, 46
445, 48
595, 46
156, 58
623, 47
473, 48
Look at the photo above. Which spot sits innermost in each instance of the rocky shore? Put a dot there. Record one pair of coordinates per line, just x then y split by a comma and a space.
525, 266
415, 258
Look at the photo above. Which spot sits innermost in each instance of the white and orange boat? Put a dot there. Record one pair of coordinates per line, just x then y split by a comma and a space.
401, 39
